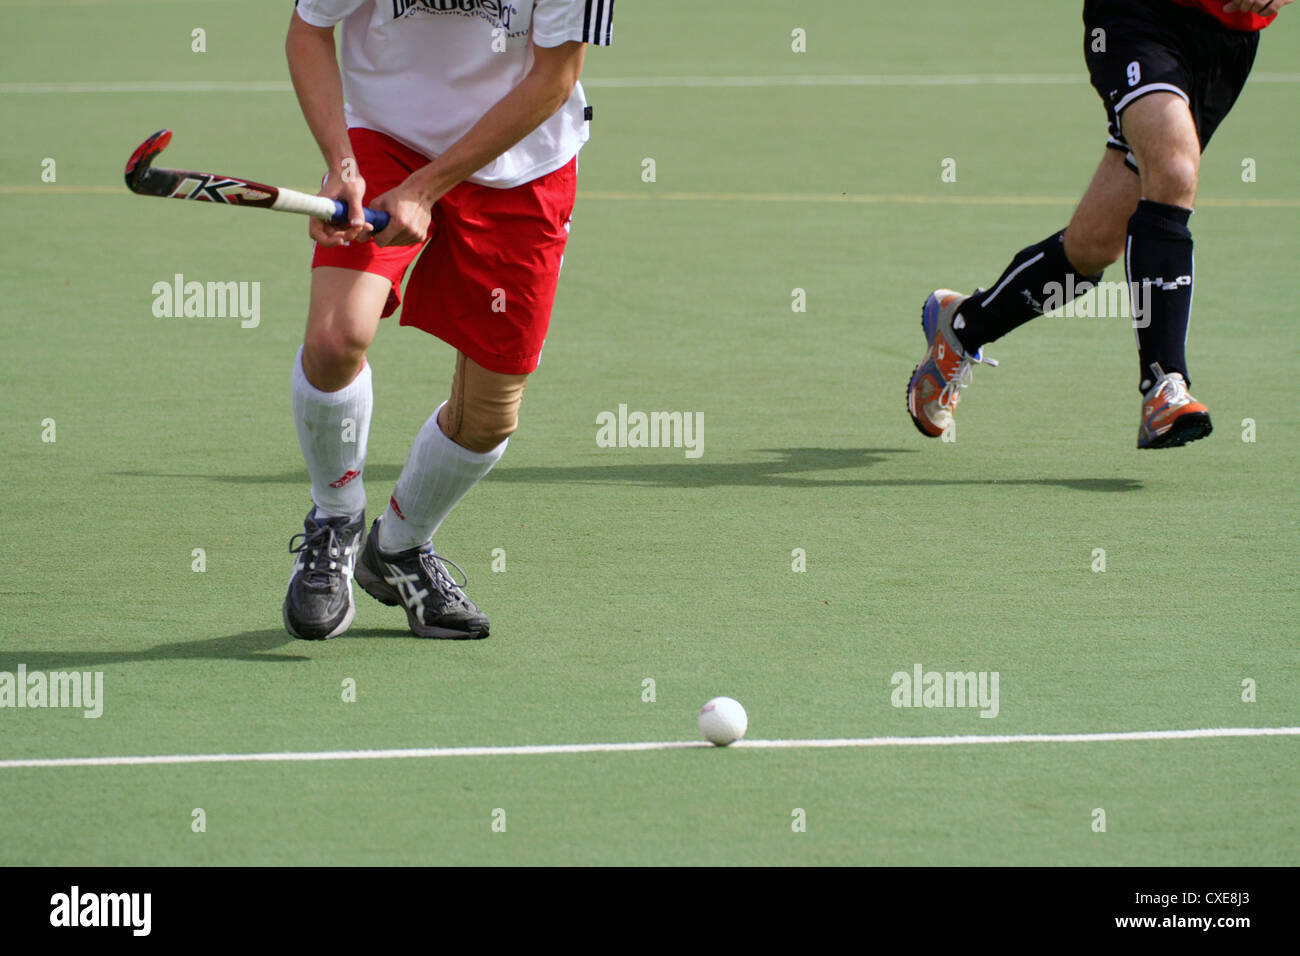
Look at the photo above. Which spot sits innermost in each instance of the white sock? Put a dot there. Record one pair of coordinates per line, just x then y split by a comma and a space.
437, 474
332, 429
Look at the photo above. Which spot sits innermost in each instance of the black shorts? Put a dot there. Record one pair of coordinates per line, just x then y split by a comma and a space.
1157, 45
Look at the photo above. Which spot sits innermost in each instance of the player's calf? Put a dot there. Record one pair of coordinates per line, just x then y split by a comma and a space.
1160, 264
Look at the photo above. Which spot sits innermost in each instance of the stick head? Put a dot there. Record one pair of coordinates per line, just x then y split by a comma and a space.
137, 167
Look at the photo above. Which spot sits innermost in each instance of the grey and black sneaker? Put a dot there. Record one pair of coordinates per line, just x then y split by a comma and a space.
319, 604
417, 580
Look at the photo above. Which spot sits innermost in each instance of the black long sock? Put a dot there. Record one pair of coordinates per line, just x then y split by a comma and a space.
1160, 265
1038, 275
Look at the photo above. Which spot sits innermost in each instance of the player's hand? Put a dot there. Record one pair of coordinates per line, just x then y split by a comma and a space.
409, 210
1255, 6
351, 189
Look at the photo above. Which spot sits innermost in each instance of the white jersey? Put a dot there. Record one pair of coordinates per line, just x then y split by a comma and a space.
425, 71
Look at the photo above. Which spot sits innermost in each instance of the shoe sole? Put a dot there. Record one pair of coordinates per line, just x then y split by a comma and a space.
338, 629
915, 421
383, 592
910, 414
1187, 428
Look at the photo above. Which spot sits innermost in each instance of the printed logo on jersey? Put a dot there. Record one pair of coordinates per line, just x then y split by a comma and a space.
497, 12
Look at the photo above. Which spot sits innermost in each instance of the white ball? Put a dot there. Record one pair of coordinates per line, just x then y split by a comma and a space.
723, 721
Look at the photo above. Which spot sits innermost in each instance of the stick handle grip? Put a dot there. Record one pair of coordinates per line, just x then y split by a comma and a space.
334, 210
376, 217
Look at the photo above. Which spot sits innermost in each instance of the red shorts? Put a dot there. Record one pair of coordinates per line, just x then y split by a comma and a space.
486, 281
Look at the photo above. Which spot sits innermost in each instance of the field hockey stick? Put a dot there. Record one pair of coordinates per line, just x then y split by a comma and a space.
146, 179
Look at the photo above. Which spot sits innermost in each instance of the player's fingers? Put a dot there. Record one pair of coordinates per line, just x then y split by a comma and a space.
380, 237
356, 229
356, 211
388, 236
328, 234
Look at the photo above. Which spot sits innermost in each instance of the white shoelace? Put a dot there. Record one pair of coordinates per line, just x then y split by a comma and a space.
952, 390
1171, 385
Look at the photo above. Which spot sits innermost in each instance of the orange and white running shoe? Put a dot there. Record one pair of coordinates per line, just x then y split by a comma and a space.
1170, 416
936, 384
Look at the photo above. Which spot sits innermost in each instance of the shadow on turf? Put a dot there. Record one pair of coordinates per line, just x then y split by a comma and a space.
785, 471
248, 646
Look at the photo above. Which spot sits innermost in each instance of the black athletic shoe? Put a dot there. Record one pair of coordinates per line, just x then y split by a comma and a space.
436, 606
319, 603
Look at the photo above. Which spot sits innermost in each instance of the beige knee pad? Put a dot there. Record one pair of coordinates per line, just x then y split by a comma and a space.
483, 410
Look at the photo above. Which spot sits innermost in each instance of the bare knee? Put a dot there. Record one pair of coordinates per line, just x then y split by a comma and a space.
1162, 133
1171, 178
332, 356
341, 322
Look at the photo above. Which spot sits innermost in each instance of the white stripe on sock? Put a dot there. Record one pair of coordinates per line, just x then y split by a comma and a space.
1003, 284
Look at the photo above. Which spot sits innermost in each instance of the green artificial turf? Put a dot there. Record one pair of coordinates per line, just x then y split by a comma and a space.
628, 564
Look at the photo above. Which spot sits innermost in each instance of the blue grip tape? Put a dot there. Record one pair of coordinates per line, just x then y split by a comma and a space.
376, 217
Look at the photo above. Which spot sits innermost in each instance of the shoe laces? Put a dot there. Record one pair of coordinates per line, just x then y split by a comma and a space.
951, 392
1172, 385
323, 539
434, 564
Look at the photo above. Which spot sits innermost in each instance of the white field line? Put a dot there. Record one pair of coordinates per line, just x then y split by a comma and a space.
547, 749
623, 82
